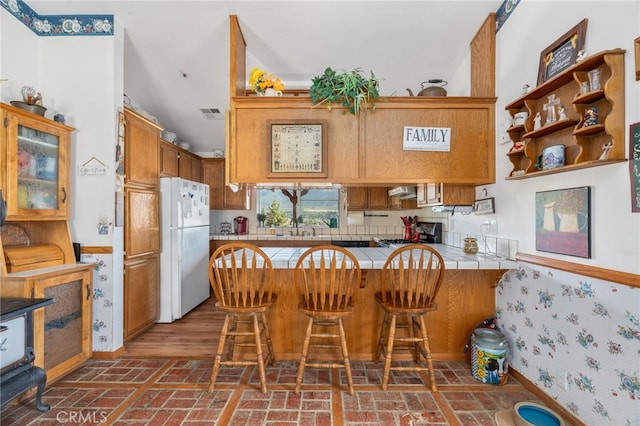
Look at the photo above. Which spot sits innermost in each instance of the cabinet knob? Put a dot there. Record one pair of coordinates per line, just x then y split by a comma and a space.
64, 195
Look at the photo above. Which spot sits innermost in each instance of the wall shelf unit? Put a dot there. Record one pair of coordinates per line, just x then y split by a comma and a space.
585, 145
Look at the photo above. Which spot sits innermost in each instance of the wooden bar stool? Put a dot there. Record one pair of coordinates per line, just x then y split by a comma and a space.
409, 282
242, 278
327, 278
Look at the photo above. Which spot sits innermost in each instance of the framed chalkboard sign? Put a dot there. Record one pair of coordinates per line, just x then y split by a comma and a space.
562, 53
634, 166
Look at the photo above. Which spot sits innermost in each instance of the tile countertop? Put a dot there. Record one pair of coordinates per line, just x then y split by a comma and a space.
374, 258
300, 237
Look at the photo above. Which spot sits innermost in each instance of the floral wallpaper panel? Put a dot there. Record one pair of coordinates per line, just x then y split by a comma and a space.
102, 321
575, 337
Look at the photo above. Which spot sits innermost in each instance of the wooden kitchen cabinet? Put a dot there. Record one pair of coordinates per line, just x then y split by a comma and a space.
375, 198
62, 331
141, 294
184, 166
35, 165
196, 168
378, 197
35, 162
142, 150
169, 158
142, 223
368, 149
357, 198
438, 194
177, 162
221, 196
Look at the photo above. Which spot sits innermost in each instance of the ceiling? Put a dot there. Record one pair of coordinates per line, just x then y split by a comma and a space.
176, 53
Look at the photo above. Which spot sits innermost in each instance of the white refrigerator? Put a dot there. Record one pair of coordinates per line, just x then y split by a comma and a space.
184, 259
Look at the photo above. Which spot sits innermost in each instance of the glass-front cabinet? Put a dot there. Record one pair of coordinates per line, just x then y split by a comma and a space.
36, 181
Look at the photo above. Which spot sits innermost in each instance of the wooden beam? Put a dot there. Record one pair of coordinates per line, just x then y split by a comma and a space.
237, 59
483, 59
611, 275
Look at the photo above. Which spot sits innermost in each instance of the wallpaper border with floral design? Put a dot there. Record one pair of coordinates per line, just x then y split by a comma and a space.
59, 25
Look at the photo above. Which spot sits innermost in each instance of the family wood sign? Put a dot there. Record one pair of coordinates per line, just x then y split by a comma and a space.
426, 139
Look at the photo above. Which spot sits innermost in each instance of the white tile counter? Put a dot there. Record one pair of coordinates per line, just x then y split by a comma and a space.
374, 258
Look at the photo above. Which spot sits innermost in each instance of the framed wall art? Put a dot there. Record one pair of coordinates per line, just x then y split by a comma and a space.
562, 53
563, 221
484, 206
297, 149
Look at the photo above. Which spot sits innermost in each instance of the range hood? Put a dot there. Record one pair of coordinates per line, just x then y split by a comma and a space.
404, 192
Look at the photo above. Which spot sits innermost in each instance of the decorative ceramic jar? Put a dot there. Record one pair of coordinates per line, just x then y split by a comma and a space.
271, 92
470, 245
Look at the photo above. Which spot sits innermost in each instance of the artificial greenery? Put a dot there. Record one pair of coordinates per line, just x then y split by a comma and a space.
349, 88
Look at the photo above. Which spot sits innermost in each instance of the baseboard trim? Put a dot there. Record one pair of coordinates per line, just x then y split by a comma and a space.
109, 355
567, 415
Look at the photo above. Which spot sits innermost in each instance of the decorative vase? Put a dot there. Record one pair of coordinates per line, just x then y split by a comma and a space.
270, 91
594, 79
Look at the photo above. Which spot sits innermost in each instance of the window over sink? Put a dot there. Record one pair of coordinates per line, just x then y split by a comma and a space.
313, 207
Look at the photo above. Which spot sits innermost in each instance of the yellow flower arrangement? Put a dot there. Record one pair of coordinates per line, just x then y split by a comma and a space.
260, 81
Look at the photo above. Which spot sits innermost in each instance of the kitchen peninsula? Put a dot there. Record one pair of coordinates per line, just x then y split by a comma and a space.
467, 296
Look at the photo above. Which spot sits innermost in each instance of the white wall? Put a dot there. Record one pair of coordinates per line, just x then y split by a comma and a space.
19, 57
532, 27
79, 85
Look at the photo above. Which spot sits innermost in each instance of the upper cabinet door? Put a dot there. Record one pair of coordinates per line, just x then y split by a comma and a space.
142, 158
37, 166
168, 160
357, 198
142, 222
221, 196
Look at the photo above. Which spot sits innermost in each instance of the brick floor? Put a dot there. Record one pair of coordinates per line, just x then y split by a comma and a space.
174, 392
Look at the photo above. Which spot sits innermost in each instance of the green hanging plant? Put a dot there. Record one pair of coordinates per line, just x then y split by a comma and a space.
350, 89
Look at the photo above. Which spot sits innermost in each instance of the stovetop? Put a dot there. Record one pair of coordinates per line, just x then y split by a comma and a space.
396, 241
392, 241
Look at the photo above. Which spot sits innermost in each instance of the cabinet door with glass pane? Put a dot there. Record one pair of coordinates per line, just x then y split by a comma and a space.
36, 181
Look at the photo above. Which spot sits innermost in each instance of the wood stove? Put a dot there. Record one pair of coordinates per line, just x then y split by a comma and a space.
17, 372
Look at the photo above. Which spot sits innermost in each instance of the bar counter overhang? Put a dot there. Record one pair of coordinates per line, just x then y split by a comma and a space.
466, 297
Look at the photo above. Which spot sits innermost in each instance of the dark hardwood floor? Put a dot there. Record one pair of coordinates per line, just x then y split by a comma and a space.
194, 336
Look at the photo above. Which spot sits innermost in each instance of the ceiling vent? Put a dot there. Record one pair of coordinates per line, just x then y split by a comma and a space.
211, 113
